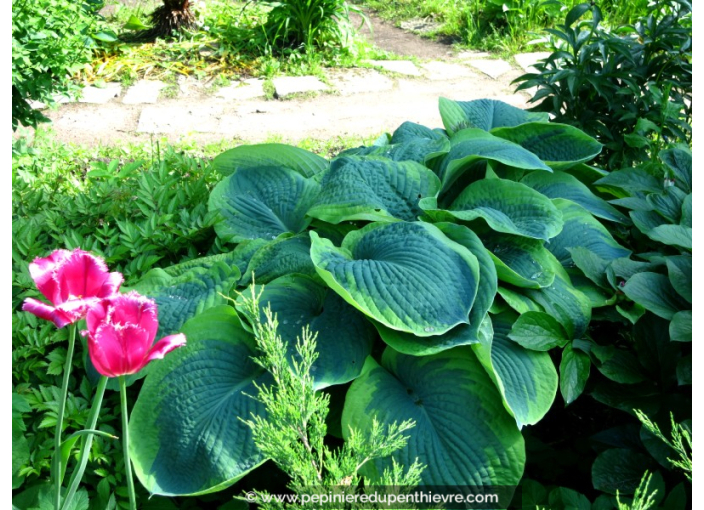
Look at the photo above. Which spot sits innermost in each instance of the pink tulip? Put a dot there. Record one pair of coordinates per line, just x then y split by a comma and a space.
121, 331
72, 281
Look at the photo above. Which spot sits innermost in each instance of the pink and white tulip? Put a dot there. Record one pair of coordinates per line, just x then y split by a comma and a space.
121, 331
72, 281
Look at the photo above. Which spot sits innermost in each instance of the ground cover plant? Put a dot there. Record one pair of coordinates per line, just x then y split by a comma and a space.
480, 280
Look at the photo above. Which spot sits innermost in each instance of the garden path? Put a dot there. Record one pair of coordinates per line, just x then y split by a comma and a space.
348, 103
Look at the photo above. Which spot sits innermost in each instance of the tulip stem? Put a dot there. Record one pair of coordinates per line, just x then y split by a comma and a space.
86, 442
126, 442
56, 461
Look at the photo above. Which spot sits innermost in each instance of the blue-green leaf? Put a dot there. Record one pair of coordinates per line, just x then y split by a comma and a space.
185, 438
463, 434
276, 155
407, 276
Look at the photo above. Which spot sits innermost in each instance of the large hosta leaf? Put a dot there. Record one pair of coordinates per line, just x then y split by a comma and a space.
407, 276
568, 305
679, 159
470, 146
582, 230
463, 334
262, 203
191, 292
508, 207
280, 257
185, 437
463, 433
679, 270
563, 185
484, 114
560, 146
344, 335
267, 155
520, 261
373, 189
526, 379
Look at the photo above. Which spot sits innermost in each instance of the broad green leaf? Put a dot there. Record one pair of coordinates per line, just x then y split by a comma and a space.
538, 331
566, 304
679, 160
591, 264
686, 220
508, 207
598, 297
654, 292
526, 379
672, 235
558, 145
462, 433
622, 269
574, 372
234, 258
472, 145
462, 334
668, 203
344, 336
586, 174
412, 132
631, 180
421, 150
373, 189
134, 23
181, 297
518, 301
277, 155
280, 257
619, 469
619, 365
485, 114
407, 276
520, 261
581, 229
185, 438
645, 221
681, 326
262, 203
563, 185
679, 270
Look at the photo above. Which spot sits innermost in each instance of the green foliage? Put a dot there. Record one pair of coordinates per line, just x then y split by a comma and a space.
51, 41
309, 24
630, 88
293, 430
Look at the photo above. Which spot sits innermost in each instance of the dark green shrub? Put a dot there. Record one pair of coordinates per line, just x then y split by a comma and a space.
631, 88
51, 40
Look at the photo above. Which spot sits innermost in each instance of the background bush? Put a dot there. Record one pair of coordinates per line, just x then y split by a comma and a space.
51, 40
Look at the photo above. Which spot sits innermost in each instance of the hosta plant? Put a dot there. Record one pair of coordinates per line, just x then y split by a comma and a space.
443, 273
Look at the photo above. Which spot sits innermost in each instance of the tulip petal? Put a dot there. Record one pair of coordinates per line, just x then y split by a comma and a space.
111, 285
81, 275
43, 272
44, 311
165, 346
106, 350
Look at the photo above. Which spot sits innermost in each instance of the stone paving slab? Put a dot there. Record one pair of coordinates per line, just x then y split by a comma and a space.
528, 60
288, 85
143, 92
96, 95
357, 81
397, 66
471, 55
438, 71
492, 68
248, 89
177, 119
